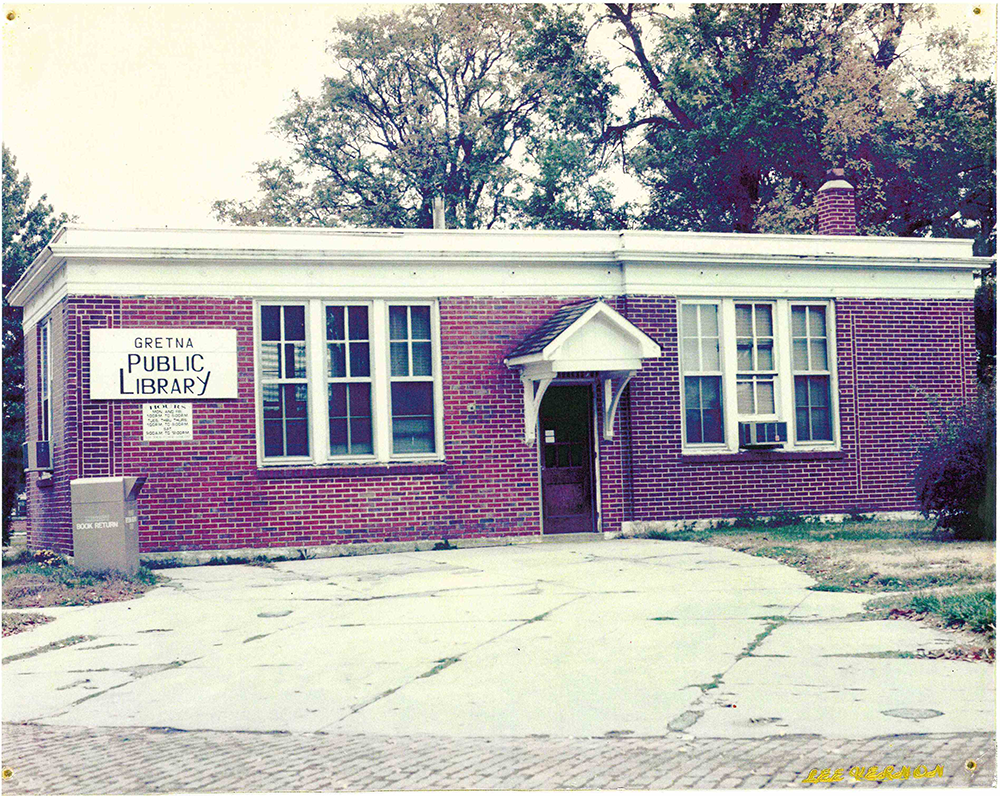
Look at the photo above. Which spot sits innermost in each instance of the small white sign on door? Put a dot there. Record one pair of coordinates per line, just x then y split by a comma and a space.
550, 435
167, 423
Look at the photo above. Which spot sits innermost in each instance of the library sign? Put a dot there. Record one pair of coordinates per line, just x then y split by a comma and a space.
162, 364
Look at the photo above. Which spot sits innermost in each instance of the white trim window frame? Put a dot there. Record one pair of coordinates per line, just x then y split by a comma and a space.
45, 380
349, 394
815, 418
282, 345
741, 361
757, 382
703, 415
325, 371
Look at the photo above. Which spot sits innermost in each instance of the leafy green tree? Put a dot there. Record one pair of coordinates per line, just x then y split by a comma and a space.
26, 229
747, 106
437, 100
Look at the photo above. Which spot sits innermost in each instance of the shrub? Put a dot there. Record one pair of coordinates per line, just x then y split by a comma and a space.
955, 479
783, 518
746, 517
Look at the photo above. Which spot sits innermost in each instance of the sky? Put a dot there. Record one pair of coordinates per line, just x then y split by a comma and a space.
142, 116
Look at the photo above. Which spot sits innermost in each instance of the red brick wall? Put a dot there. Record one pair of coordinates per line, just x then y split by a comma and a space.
895, 358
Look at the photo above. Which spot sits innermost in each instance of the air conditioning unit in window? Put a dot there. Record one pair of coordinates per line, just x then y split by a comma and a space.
37, 456
771, 434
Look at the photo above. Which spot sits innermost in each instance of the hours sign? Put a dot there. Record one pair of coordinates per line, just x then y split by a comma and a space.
158, 364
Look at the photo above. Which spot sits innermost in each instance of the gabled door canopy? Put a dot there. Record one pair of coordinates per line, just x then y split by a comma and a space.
589, 336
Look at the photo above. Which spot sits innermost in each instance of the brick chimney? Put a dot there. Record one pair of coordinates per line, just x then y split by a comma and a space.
835, 204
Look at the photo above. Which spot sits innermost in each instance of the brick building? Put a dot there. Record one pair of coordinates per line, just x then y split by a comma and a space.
299, 387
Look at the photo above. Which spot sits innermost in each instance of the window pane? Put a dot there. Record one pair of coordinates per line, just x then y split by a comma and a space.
360, 365
689, 320
763, 317
361, 400
821, 426
295, 400
800, 355
298, 438
338, 400
270, 365
817, 321
744, 354
338, 437
361, 435
274, 438
690, 353
710, 353
295, 322
765, 355
399, 359
412, 398
801, 391
270, 322
744, 397
819, 391
709, 320
397, 323
421, 359
420, 318
713, 425
693, 426
817, 349
295, 361
271, 398
799, 321
358, 322
337, 365
334, 323
710, 398
802, 424
413, 435
692, 394
412, 417
765, 397
744, 324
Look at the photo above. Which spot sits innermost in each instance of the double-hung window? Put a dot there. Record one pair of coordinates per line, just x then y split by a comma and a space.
754, 361
348, 381
811, 370
45, 379
349, 377
284, 387
702, 363
756, 369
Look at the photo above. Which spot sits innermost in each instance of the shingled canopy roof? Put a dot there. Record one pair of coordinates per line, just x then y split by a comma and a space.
535, 342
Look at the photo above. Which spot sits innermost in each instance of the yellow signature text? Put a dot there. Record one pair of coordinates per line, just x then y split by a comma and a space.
873, 773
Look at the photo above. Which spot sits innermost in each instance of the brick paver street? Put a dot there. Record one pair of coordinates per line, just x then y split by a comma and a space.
49, 760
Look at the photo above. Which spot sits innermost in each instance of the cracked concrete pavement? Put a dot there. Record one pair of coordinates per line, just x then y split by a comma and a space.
614, 638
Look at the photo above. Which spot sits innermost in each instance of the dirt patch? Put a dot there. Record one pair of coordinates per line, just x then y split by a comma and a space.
43, 578
908, 562
16, 622
34, 590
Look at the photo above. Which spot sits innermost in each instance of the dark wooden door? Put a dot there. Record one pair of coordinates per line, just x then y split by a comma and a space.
567, 448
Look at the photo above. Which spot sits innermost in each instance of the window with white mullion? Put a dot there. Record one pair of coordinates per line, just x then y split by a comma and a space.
756, 364
284, 383
701, 364
411, 379
45, 376
811, 373
349, 380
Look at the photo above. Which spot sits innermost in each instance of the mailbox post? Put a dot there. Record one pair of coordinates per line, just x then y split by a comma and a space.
105, 524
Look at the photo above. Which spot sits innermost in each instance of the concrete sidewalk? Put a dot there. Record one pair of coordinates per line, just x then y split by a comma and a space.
608, 639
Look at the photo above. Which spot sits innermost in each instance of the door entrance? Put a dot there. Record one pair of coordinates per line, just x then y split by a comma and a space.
567, 448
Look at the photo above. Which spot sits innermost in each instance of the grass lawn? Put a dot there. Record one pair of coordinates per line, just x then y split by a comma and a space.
920, 573
42, 579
